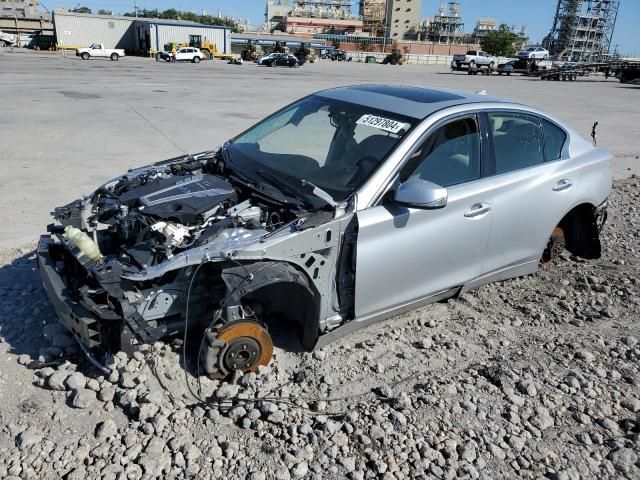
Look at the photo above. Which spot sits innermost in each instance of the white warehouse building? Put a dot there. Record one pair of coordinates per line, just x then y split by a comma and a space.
134, 35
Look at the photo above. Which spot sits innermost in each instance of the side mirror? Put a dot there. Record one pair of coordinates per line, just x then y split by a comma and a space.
422, 194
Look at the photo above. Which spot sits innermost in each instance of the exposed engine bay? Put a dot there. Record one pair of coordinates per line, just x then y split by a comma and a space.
148, 217
186, 242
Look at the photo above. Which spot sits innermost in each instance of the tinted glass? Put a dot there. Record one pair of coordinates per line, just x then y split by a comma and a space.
517, 139
554, 138
449, 156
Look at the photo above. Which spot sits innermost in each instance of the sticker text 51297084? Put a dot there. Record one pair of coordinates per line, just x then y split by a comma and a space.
381, 123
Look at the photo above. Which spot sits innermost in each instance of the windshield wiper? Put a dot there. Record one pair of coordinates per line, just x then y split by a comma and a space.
320, 193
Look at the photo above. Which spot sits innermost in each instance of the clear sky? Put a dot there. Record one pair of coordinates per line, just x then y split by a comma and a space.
536, 14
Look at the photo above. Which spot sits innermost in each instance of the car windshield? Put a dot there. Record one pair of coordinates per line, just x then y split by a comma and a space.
332, 144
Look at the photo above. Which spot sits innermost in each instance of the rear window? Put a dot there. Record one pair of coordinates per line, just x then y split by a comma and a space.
471, 52
554, 138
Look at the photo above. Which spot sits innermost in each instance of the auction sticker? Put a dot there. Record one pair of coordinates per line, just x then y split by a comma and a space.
381, 123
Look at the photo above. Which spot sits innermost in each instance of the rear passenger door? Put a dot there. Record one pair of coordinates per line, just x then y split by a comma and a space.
532, 188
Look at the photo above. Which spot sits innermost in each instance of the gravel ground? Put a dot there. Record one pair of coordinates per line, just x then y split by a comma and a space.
536, 377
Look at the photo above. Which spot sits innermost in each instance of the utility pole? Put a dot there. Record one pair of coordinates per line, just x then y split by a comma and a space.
135, 8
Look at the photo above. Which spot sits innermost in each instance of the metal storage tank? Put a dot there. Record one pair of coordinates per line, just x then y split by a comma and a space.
166, 31
75, 30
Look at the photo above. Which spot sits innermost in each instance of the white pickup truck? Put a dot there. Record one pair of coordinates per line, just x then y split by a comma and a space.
473, 60
98, 50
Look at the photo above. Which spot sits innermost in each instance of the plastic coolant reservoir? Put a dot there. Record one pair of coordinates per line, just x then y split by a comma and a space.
82, 242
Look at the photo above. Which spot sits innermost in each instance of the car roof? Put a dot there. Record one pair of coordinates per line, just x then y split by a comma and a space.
417, 102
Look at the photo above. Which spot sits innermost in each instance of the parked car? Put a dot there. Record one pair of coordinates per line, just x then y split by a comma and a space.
507, 68
281, 60
473, 59
267, 58
534, 53
97, 50
7, 39
405, 196
189, 54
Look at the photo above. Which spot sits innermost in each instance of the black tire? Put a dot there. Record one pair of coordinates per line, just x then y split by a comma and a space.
196, 60
3, 43
508, 73
472, 64
491, 65
500, 73
85, 55
115, 57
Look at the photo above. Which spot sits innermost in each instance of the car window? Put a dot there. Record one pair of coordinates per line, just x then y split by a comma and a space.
554, 138
449, 156
334, 144
517, 139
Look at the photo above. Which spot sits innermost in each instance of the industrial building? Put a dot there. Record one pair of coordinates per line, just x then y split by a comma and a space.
483, 27
373, 16
266, 42
446, 27
403, 19
24, 17
312, 17
582, 30
134, 35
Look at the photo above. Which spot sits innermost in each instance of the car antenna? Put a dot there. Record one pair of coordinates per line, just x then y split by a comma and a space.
594, 133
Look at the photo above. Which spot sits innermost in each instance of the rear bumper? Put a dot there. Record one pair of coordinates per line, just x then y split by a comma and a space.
78, 320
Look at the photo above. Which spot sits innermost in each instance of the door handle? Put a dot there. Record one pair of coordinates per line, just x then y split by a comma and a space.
477, 210
564, 184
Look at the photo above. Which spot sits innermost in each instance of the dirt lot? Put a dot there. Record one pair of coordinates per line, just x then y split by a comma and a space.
535, 377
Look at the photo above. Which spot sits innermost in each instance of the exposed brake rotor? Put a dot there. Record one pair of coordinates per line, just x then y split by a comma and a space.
241, 345
554, 247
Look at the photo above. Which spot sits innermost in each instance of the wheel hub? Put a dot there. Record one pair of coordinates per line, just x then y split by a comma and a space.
241, 345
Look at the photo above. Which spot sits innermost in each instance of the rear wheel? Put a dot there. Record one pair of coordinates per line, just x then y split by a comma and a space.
85, 56
115, 57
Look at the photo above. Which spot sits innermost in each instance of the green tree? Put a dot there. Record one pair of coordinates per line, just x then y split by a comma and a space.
81, 10
102, 11
173, 14
500, 42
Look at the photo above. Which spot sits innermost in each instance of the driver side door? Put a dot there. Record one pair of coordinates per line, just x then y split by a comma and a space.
98, 50
406, 255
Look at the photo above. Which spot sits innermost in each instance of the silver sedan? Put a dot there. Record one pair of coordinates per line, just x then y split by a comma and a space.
342, 209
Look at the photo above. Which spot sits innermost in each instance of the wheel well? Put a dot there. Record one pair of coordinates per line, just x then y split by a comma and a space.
581, 232
292, 301
277, 288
